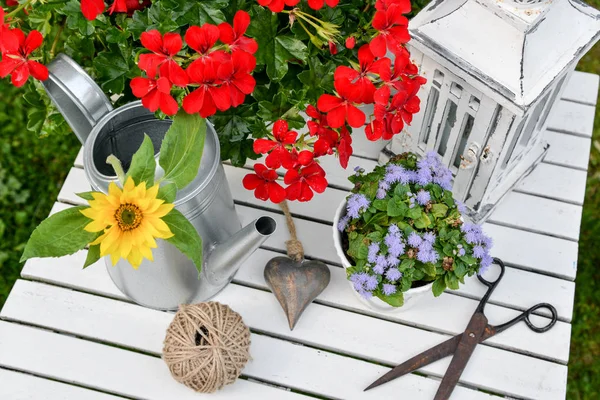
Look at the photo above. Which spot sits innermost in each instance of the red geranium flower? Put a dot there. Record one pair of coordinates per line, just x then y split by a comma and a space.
350, 42
333, 48
15, 60
278, 154
383, 5
277, 5
264, 184
236, 77
359, 81
7, 38
163, 51
211, 94
393, 31
344, 147
202, 39
92, 8
128, 6
318, 4
155, 94
303, 181
234, 37
297, 159
341, 109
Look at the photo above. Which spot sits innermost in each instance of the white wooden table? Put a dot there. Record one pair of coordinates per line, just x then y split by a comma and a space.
70, 334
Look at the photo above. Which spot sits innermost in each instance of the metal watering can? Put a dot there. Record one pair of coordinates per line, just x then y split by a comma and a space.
172, 279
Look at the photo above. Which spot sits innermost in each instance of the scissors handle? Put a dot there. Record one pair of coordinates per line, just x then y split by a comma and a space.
525, 316
490, 284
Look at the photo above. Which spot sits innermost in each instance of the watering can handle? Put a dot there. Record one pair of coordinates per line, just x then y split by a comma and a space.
75, 94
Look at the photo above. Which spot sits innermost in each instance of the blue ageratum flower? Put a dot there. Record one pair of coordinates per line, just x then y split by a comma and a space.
356, 203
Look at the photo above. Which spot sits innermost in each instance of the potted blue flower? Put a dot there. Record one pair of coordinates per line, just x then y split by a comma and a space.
400, 233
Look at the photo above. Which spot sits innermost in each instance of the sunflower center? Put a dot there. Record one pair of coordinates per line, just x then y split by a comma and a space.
128, 216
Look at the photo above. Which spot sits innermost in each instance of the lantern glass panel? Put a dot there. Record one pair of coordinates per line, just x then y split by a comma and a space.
513, 143
535, 116
448, 122
464, 137
432, 101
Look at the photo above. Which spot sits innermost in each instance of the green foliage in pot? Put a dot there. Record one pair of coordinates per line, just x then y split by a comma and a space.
403, 229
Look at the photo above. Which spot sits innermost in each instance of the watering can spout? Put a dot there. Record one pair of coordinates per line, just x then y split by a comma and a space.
227, 257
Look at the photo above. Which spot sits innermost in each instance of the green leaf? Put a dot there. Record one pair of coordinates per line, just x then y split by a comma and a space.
281, 108
401, 190
406, 264
470, 260
167, 192
460, 268
86, 195
451, 281
181, 149
93, 255
59, 235
185, 238
235, 123
363, 251
274, 51
394, 300
114, 66
143, 164
318, 78
381, 205
422, 222
439, 286
397, 208
428, 269
439, 210
414, 213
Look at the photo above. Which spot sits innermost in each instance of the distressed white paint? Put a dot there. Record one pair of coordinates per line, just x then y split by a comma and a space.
510, 58
582, 88
568, 150
330, 329
19, 386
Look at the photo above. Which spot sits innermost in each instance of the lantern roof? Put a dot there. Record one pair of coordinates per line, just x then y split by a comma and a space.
514, 49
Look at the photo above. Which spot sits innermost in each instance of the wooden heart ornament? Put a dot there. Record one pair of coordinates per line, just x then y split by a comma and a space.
296, 284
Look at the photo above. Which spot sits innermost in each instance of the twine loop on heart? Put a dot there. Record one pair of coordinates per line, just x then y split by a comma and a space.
295, 250
206, 346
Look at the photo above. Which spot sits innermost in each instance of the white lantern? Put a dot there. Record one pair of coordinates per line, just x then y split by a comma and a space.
494, 70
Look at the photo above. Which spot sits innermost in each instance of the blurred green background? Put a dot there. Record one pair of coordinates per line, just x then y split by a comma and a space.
33, 169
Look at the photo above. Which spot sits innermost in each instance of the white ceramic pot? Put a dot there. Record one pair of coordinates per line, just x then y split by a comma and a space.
411, 296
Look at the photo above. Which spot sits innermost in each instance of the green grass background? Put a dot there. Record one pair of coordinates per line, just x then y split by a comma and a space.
32, 171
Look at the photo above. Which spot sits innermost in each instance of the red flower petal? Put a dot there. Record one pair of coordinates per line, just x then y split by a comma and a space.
193, 102
20, 75
356, 118
328, 102
152, 40
92, 8
7, 65
251, 181
316, 4
149, 63
337, 117
140, 86
262, 146
226, 33
152, 100
202, 38
172, 43
168, 105
241, 21
276, 192
38, 71
378, 46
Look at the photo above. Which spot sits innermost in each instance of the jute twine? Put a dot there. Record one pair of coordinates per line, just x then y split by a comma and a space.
295, 251
207, 346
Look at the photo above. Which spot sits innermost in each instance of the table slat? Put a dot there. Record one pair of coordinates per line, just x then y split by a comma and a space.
573, 118
568, 150
582, 87
303, 368
555, 182
95, 317
19, 386
102, 367
450, 319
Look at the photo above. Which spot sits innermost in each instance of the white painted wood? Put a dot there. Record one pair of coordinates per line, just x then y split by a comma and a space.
574, 118
555, 182
451, 319
582, 87
568, 150
79, 159
56, 308
538, 215
108, 368
534, 251
19, 386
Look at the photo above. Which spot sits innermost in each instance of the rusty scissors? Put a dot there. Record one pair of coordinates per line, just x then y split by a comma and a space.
462, 345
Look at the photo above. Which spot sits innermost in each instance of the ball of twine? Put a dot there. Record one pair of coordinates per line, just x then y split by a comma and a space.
207, 346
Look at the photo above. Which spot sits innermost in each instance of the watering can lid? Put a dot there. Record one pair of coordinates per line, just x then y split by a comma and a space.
75, 94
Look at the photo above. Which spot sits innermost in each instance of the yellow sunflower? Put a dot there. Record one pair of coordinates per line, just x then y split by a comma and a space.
131, 221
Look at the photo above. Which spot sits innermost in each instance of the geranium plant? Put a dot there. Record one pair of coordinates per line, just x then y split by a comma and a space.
251, 66
404, 229
126, 222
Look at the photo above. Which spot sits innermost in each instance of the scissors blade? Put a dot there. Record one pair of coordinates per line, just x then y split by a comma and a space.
468, 341
427, 357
